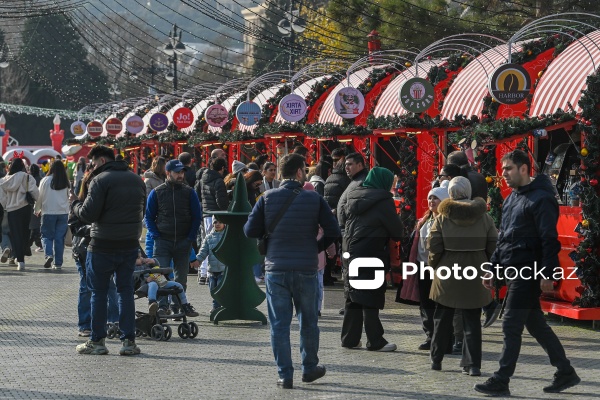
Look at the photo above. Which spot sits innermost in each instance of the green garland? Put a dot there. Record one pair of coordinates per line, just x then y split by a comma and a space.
587, 255
271, 105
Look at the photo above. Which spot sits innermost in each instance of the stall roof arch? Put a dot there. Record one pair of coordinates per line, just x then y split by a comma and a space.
261, 100
558, 89
302, 90
466, 94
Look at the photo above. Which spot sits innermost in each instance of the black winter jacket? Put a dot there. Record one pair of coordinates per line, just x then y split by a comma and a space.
357, 179
479, 187
371, 222
114, 207
335, 185
214, 193
528, 229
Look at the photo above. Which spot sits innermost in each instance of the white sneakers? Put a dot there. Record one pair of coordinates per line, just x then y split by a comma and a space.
388, 347
20, 266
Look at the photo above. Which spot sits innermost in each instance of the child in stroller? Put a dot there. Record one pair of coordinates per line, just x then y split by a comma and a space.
150, 281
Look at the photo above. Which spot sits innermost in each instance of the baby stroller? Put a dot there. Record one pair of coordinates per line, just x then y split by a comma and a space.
155, 326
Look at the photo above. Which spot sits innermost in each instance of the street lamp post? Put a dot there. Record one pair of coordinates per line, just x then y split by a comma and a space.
173, 48
57, 135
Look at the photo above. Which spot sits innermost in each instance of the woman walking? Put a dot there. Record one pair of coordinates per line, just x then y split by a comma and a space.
463, 235
16, 185
53, 205
371, 222
35, 236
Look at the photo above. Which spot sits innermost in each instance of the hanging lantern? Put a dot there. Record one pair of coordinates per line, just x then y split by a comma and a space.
489, 179
585, 223
225, 147
593, 182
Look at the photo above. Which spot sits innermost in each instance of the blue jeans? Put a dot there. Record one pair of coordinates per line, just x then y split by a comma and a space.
5, 232
100, 267
320, 273
286, 290
54, 229
257, 271
153, 290
214, 281
178, 252
84, 303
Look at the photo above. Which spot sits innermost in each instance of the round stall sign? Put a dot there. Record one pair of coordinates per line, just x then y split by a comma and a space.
416, 95
134, 124
509, 84
94, 128
159, 122
248, 113
114, 126
292, 108
78, 128
216, 116
183, 117
349, 102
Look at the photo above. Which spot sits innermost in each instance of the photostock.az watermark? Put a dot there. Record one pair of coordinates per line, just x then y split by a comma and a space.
365, 262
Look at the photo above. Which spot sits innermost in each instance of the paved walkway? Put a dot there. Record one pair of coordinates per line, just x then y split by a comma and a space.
38, 335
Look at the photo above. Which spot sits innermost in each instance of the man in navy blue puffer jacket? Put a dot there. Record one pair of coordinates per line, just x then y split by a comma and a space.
291, 266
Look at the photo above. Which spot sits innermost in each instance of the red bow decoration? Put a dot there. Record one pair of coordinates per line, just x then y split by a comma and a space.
16, 154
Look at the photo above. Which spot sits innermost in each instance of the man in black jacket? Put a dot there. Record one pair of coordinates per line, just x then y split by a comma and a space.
479, 186
528, 242
173, 216
214, 198
114, 207
190, 172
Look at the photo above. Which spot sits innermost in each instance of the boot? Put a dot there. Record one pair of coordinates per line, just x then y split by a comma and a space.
189, 310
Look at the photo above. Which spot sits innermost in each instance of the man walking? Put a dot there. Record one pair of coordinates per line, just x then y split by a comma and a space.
114, 207
173, 216
214, 198
528, 240
291, 265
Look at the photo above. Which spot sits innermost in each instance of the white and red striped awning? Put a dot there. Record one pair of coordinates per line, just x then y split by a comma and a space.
328, 113
261, 100
303, 90
471, 84
198, 112
389, 102
228, 104
565, 78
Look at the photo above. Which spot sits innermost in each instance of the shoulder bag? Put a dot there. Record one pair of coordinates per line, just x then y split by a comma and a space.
262, 242
28, 195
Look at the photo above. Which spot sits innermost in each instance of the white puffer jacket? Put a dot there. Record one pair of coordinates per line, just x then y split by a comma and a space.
12, 195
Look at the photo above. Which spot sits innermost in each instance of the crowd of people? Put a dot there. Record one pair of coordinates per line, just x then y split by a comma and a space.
318, 218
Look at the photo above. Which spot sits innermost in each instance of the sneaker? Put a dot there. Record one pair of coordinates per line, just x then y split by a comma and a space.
163, 311
189, 310
562, 382
152, 308
426, 345
91, 347
259, 280
21, 266
457, 348
84, 333
358, 346
491, 315
39, 250
12, 262
48, 262
388, 347
471, 371
57, 267
319, 372
493, 387
202, 280
129, 348
5, 255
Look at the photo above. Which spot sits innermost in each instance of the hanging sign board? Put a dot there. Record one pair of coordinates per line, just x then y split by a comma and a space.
349, 102
94, 128
134, 124
248, 113
216, 116
78, 128
416, 95
292, 108
509, 84
183, 118
114, 126
159, 122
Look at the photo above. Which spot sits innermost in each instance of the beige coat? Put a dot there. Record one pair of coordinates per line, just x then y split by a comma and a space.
462, 233
12, 197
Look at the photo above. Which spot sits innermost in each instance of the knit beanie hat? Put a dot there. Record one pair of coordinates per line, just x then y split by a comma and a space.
237, 166
459, 188
441, 192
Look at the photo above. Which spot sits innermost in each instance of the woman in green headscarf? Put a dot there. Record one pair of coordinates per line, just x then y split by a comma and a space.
372, 221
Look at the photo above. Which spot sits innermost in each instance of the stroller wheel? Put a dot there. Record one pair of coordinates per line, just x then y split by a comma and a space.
183, 330
111, 330
168, 332
157, 332
193, 329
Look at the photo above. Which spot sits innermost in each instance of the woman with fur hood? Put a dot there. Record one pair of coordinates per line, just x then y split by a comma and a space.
16, 184
463, 235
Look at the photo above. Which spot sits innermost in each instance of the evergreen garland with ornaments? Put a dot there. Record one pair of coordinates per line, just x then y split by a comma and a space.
406, 188
587, 255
